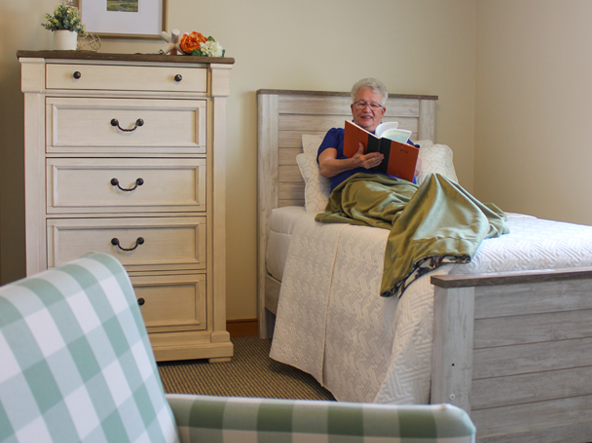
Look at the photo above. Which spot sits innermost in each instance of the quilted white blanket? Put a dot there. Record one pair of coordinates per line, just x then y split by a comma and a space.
332, 323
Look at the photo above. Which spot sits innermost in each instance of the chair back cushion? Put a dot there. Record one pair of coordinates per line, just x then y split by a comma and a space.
75, 360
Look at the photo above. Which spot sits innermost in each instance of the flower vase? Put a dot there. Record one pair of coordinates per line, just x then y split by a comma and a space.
64, 40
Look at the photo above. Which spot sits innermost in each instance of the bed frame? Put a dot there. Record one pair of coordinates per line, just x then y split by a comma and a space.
512, 349
283, 116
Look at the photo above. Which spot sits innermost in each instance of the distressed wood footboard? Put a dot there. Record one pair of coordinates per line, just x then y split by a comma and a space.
515, 351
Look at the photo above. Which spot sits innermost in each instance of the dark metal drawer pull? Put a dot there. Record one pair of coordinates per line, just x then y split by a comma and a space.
141, 301
115, 242
178, 78
139, 122
139, 182
77, 75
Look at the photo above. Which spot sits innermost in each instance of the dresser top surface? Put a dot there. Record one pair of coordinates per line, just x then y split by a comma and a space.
92, 55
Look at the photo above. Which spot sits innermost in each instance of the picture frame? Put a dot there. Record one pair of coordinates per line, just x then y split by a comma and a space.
143, 19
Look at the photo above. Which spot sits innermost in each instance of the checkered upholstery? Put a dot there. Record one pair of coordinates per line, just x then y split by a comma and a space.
75, 360
246, 420
76, 366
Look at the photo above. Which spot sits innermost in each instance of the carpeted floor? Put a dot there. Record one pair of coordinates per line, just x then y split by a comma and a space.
251, 373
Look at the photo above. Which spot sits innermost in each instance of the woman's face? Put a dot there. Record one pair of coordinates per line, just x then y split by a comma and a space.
367, 117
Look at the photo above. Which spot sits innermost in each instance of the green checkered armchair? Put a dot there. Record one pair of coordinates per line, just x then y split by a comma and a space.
76, 366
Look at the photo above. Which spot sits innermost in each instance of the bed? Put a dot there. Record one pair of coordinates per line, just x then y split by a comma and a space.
512, 348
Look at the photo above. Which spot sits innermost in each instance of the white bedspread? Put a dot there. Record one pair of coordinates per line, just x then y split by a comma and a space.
332, 323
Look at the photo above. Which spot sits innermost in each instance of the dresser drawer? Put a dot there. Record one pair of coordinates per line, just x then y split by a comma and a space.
89, 185
123, 126
172, 302
169, 243
125, 78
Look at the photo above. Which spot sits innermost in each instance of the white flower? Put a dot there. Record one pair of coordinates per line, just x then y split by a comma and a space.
211, 48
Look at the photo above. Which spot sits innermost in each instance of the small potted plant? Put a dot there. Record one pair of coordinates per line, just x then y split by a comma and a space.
66, 25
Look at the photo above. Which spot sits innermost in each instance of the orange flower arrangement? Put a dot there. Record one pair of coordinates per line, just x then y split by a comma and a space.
190, 42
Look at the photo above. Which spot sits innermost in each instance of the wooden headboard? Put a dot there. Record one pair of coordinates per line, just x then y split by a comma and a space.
282, 117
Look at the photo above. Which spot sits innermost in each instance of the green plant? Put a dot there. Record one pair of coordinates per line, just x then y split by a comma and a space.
65, 17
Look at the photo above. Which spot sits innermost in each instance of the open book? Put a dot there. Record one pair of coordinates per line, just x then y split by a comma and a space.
400, 158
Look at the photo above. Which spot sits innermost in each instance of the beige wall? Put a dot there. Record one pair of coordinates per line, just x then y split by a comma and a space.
533, 129
420, 46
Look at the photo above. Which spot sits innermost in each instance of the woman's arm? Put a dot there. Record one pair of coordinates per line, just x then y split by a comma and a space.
331, 165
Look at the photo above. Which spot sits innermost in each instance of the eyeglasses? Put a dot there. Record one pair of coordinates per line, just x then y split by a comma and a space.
361, 104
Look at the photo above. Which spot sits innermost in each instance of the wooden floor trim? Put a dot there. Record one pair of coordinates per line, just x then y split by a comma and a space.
242, 327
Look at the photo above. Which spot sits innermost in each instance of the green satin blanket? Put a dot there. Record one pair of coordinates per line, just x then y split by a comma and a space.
432, 224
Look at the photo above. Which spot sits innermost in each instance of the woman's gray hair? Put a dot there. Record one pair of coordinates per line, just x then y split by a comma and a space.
372, 83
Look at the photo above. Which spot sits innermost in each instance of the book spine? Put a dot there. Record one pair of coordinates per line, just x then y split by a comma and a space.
385, 149
374, 144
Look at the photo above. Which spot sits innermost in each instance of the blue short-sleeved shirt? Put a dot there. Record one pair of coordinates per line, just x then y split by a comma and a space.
334, 139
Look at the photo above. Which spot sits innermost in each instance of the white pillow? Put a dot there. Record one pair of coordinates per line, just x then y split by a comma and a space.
435, 158
311, 143
317, 188
423, 143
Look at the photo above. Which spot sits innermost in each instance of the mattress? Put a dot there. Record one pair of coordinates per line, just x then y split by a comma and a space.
332, 323
281, 226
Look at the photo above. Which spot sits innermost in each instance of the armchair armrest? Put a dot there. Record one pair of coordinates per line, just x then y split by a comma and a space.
237, 419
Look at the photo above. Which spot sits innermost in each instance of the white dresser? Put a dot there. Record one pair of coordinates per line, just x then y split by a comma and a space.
125, 154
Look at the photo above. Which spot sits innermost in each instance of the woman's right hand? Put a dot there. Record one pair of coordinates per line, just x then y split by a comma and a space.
368, 161
331, 166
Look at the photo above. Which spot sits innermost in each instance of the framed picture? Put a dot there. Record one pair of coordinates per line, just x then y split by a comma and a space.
124, 18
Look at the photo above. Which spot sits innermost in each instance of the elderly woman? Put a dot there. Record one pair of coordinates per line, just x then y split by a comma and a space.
368, 96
